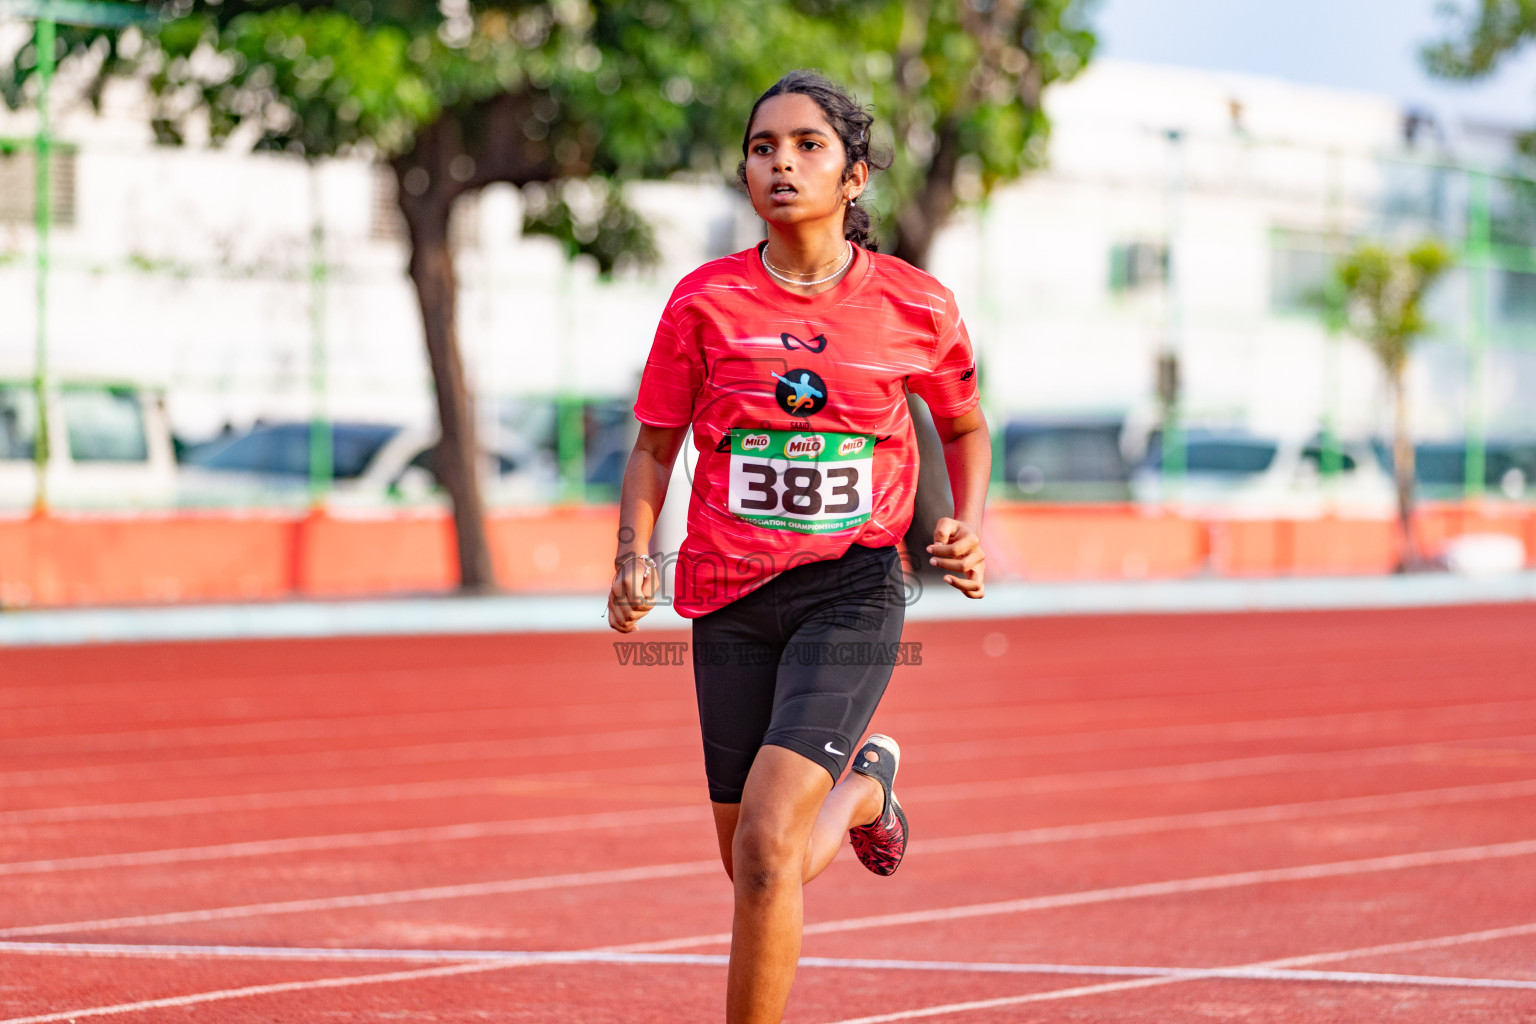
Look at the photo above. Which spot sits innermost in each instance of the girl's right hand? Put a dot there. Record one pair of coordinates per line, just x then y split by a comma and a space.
633, 592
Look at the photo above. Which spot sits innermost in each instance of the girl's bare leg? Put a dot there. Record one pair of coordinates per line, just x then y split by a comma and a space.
789, 825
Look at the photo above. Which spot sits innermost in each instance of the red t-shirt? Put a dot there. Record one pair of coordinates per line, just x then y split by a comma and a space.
799, 413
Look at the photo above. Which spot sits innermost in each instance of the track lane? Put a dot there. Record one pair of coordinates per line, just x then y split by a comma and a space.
1146, 660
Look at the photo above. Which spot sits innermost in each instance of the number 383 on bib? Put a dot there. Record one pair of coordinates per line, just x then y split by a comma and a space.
808, 481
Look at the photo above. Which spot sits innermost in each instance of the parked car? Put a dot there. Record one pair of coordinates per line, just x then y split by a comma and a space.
1236, 474
372, 464
1064, 460
110, 446
1440, 467
608, 431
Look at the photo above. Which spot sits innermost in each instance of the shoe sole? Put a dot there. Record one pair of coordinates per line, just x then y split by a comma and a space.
877, 859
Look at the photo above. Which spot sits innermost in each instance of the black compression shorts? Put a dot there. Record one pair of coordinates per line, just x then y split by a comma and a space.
800, 662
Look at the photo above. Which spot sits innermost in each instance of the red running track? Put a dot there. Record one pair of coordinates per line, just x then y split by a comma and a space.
1298, 818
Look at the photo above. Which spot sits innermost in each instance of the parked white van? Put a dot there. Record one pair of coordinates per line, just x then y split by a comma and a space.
110, 446
1232, 474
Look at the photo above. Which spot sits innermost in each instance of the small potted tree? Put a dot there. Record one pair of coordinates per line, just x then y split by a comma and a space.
1379, 297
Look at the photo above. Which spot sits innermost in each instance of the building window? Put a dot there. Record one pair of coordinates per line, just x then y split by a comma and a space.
18, 183
1301, 266
1137, 265
1517, 297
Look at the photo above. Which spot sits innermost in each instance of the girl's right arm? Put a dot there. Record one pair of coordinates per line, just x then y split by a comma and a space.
645, 488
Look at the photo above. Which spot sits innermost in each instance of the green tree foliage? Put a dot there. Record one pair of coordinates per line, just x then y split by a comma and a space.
1379, 297
1482, 37
1478, 40
959, 86
585, 94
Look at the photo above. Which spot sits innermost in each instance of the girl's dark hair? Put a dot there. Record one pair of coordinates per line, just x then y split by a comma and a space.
850, 121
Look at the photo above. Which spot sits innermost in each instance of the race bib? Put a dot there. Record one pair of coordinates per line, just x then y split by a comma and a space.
808, 481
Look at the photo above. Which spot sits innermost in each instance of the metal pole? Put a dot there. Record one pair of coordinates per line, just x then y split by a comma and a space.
988, 310
43, 203
320, 446
1332, 460
1173, 429
1479, 269
570, 426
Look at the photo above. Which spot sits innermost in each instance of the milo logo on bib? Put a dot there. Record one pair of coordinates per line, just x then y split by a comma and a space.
807, 482
804, 446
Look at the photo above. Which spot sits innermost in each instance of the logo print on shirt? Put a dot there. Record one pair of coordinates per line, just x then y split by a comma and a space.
800, 392
816, 344
968, 374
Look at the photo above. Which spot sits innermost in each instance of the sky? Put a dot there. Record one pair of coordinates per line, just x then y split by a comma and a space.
1369, 45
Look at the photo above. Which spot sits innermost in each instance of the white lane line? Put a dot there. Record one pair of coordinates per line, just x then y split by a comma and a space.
1208, 883
363, 840
1199, 771
533, 957
374, 899
1235, 816
1344, 723
1408, 946
1278, 966
1181, 973
254, 801
1064, 782
1146, 890
301, 762
601, 955
1051, 834
395, 680
318, 727
1023, 837
501, 785
383, 724
254, 701
257, 990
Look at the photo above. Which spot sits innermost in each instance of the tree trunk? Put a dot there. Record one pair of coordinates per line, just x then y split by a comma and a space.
456, 463
919, 220
1403, 470
463, 150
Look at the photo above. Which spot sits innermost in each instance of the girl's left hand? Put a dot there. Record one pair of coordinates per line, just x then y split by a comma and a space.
957, 549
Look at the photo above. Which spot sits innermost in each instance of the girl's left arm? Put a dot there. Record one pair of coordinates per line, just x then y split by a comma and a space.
956, 546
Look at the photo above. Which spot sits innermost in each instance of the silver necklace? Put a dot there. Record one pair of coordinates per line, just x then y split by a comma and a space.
806, 284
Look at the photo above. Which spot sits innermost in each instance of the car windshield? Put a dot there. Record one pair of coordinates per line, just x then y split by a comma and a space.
1220, 456
18, 422
284, 450
1064, 453
104, 425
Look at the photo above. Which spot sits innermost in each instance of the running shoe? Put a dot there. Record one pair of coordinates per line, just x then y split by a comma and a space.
881, 843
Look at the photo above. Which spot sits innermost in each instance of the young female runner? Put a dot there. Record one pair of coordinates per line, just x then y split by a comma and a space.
791, 362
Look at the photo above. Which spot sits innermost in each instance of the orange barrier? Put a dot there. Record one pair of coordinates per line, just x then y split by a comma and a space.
206, 556
1066, 542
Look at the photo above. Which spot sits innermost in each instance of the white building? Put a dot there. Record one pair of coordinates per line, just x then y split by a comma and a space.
196, 270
